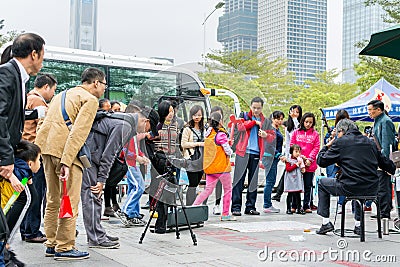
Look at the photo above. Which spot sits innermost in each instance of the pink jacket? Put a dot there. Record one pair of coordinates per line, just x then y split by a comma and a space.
309, 143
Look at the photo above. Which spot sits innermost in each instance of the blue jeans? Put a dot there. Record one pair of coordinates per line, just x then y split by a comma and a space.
30, 226
270, 181
135, 190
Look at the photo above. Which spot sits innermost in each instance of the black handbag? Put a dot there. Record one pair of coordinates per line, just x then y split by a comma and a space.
117, 172
84, 153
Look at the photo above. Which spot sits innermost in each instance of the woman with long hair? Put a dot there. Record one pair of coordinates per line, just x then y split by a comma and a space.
308, 139
192, 141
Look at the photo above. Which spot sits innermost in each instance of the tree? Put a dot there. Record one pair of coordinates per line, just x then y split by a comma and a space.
248, 74
391, 7
9, 36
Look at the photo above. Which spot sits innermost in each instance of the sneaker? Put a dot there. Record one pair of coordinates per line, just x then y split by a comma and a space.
308, 211
121, 216
276, 198
252, 212
236, 213
289, 211
108, 211
357, 230
50, 251
135, 222
106, 245
313, 207
271, 209
325, 228
367, 208
112, 238
217, 210
72, 254
228, 218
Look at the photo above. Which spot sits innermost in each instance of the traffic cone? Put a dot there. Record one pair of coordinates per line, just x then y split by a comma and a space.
65, 206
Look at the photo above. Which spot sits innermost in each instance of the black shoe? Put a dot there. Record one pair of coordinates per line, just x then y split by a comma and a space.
50, 251
357, 230
106, 245
112, 238
276, 198
375, 216
301, 211
160, 230
252, 212
13, 261
236, 213
325, 228
289, 212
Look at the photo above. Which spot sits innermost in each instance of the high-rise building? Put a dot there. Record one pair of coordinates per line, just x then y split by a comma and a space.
83, 24
295, 30
237, 28
359, 22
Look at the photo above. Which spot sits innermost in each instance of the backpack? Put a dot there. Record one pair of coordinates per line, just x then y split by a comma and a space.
237, 135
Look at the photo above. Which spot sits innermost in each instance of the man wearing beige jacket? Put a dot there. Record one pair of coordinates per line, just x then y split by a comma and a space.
60, 146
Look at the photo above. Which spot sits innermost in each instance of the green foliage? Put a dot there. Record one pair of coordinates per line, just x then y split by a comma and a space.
322, 93
371, 69
9, 36
391, 7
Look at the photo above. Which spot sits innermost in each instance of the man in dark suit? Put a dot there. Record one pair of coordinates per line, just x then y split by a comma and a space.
24, 59
27, 52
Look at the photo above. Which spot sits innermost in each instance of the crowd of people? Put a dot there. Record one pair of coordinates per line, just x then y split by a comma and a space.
44, 148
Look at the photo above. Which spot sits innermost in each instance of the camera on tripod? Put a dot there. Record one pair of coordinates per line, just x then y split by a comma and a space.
167, 186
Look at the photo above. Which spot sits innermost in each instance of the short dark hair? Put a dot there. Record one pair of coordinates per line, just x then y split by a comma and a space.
277, 114
377, 104
45, 78
102, 102
26, 151
305, 116
163, 110
257, 99
293, 148
154, 118
25, 43
112, 103
90, 75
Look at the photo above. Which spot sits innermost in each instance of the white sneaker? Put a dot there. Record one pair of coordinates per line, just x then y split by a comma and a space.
217, 210
272, 209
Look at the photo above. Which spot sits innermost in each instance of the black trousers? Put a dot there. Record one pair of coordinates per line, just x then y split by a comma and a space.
385, 194
328, 187
194, 180
280, 188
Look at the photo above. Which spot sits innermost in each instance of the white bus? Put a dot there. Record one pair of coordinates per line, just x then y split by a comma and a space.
145, 79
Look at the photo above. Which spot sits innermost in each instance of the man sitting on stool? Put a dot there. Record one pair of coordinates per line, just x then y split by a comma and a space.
358, 159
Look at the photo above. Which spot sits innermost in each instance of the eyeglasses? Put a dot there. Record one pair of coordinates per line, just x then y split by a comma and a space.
105, 84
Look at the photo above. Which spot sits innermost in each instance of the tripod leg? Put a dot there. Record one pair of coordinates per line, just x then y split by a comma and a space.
188, 224
175, 208
151, 217
148, 224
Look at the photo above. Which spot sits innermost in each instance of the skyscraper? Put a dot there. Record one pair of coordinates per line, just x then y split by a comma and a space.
359, 22
295, 30
237, 28
83, 24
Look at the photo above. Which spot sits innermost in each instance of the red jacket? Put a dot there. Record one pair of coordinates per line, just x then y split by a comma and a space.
246, 126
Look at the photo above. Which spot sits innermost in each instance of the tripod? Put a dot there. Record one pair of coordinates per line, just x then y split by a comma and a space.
163, 186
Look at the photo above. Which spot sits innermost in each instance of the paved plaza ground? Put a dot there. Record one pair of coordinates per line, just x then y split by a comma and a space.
245, 242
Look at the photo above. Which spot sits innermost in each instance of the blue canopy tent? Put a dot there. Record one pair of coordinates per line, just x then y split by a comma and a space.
357, 107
